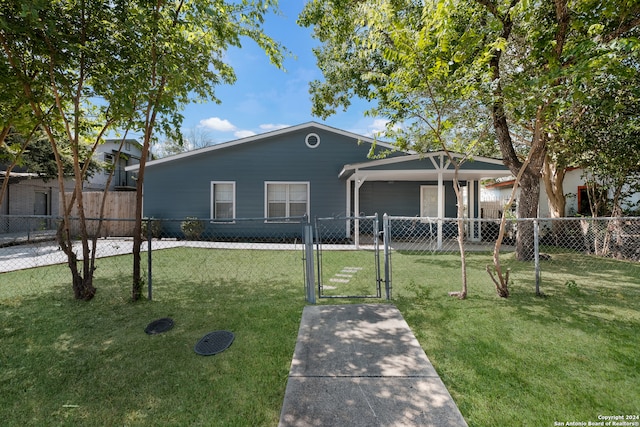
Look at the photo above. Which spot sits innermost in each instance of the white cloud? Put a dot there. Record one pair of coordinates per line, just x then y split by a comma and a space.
224, 125
272, 126
244, 133
216, 123
378, 126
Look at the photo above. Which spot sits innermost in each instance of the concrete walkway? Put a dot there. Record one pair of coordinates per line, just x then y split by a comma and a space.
360, 365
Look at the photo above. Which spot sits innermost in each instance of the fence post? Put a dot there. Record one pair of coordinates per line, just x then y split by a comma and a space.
149, 257
310, 281
536, 253
386, 233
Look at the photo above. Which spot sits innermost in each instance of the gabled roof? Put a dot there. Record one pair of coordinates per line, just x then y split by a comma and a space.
426, 166
263, 136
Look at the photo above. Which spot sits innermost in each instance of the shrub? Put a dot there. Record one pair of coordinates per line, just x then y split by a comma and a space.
192, 227
156, 228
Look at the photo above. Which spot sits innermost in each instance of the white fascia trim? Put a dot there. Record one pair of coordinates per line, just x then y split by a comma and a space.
411, 157
259, 137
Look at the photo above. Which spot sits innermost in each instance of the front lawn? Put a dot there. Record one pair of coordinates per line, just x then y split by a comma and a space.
570, 356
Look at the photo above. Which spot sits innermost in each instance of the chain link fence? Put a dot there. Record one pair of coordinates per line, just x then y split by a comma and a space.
348, 257
563, 251
189, 250
567, 251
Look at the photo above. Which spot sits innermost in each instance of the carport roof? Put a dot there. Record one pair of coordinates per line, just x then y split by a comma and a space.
428, 166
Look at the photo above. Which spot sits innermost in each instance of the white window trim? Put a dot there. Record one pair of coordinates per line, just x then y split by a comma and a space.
213, 201
266, 196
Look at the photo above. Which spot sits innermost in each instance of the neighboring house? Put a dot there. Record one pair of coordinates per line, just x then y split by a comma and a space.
27, 195
310, 169
574, 188
107, 154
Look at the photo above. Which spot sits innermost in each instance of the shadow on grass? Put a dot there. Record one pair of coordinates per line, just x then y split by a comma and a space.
568, 356
78, 363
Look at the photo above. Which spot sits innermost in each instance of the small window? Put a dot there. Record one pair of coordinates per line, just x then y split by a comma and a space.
286, 199
223, 200
312, 140
108, 163
589, 198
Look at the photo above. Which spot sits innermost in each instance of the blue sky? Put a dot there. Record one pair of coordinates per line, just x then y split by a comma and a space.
264, 97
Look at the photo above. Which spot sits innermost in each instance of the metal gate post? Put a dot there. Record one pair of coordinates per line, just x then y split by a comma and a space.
376, 250
536, 254
386, 235
149, 260
309, 268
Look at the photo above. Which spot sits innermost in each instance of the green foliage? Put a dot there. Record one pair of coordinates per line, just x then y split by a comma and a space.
602, 134
156, 228
467, 75
572, 286
86, 68
419, 61
34, 154
192, 227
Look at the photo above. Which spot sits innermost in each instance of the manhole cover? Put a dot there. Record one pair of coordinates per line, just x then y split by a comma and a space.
158, 326
214, 343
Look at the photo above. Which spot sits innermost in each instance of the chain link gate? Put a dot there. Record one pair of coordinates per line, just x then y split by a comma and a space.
348, 257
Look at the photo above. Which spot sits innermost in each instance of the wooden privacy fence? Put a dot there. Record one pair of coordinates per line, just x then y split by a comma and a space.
119, 206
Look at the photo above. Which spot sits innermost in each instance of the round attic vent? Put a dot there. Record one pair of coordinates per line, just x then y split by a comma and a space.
312, 140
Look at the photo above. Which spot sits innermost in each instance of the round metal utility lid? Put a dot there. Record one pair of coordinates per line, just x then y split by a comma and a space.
214, 343
159, 325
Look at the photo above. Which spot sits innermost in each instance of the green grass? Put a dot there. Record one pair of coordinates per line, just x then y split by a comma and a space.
348, 273
569, 356
527, 360
64, 362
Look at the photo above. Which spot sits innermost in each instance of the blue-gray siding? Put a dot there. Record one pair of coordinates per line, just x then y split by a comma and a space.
402, 198
182, 187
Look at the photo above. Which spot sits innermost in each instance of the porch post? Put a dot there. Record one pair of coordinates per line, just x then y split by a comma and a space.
440, 207
348, 190
356, 222
348, 207
471, 194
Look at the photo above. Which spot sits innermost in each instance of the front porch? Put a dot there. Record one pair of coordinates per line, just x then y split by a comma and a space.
421, 187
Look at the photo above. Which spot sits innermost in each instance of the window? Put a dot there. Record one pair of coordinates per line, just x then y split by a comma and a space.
108, 163
223, 200
429, 201
589, 198
286, 199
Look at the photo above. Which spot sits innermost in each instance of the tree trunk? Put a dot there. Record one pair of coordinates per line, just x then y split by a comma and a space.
553, 177
460, 220
136, 289
527, 208
500, 278
83, 288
